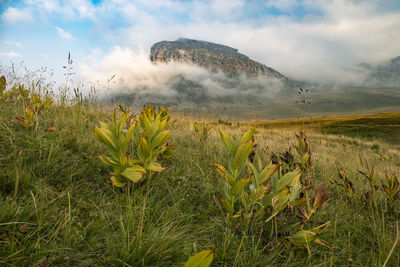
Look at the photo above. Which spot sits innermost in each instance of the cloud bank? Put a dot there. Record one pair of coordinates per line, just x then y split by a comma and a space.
310, 40
132, 73
325, 44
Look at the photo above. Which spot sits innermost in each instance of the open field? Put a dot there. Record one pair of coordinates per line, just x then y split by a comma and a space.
59, 208
378, 127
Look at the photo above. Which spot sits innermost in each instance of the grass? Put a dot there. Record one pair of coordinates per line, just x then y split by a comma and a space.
381, 127
58, 207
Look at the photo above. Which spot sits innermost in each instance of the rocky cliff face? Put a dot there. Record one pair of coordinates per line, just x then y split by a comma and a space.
211, 56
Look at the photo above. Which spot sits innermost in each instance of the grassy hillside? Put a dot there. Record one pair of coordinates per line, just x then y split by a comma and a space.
59, 208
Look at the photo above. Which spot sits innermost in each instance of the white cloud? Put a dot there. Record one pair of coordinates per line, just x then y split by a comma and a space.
135, 73
13, 15
215, 10
72, 9
322, 46
64, 34
226, 8
12, 43
11, 54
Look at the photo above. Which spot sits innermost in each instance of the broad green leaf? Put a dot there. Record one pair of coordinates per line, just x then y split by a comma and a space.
294, 191
201, 259
224, 173
134, 173
144, 122
105, 136
268, 171
303, 238
288, 179
162, 125
117, 181
247, 136
279, 203
253, 170
242, 155
262, 191
121, 122
239, 185
105, 126
106, 160
305, 159
228, 141
144, 147
128, 136
160, 139
154, 167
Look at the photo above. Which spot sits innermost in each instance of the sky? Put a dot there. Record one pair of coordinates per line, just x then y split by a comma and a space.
311, 40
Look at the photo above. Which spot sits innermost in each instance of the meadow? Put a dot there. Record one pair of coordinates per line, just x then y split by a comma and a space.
59, 207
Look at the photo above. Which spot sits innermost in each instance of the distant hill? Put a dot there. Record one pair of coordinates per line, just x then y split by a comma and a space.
210, 56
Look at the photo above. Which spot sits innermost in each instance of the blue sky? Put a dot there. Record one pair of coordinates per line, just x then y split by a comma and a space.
304, 39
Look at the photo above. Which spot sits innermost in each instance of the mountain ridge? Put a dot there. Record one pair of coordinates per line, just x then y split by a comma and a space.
211, 56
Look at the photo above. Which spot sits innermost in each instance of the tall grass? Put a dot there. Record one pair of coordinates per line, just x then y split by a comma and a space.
58, 206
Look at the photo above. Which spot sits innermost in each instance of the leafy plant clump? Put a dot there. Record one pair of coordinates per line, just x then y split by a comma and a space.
149, 136
201, 131
252, 190
152, 138
117, 142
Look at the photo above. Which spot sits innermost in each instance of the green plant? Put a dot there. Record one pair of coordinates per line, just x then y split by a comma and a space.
284, 192
290, 162
201, 131
346, 183
27, 119
201, 259
152, 138
117, 142
304, 238
33, 107
249, 193
370, 176
313, 205
234, 175
391, 188
258, 188
304, 152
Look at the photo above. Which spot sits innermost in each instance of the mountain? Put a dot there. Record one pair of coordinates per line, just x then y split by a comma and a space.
227, 79
211, 56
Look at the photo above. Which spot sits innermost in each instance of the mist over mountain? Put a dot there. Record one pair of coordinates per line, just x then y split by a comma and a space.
200, 75
206, 74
